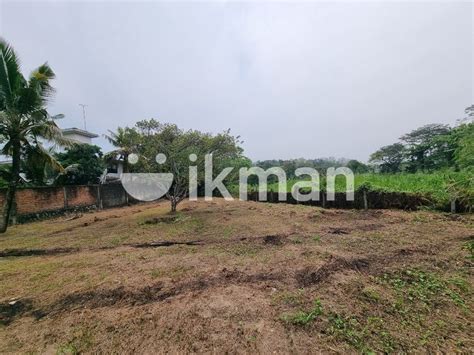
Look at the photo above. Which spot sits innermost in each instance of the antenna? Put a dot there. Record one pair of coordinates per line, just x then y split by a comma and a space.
84, 115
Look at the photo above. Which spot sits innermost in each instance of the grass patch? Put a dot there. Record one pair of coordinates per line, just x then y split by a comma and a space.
350, 330
423, 290
469, 246
289, 298
81, 342
303, 318
371, 295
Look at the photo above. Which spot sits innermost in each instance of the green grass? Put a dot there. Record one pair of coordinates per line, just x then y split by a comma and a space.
303, 318
432, 185
469, 246
416, 287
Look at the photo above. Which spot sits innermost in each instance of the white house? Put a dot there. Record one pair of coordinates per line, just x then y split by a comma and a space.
75, 134
79, 135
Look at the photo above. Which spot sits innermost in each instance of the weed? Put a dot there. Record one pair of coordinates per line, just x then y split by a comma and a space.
469, 246
419, 218
348, 329
460, 283
80, 343
289, 298
370, 294
297, 240
227, 231
303, 318
245, 250
418, 287
359, 334
316, 238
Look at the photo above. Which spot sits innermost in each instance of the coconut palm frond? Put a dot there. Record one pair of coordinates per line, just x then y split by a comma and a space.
10, 74
39, 82
112, 137
51, 132
6, 149
46, 156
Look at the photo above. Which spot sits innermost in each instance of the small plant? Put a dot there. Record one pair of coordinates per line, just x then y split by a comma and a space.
415, 286
80, 343
370, 294
316, 238
289, 298
297, 240
420, 218
469, 246
303, 318
348, 329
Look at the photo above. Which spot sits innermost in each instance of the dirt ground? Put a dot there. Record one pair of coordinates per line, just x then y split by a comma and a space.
238, 277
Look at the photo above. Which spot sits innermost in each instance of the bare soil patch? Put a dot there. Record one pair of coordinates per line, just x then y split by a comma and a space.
238, 277
35, 252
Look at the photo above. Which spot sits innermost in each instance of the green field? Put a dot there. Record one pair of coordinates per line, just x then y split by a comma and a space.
433, 185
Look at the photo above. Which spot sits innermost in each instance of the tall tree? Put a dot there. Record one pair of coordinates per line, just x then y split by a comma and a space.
428, 148
177, 145
24, 120
463, 137
389, 158
357, 166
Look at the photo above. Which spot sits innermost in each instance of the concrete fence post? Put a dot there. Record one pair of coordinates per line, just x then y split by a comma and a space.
99, 198
453, 206
65, 197
366, 202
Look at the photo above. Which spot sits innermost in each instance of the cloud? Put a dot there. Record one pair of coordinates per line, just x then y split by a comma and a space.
294, 80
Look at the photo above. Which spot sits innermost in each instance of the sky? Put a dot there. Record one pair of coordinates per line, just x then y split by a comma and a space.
309, 79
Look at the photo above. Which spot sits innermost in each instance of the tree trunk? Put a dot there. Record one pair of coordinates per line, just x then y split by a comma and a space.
174, 204
10, 198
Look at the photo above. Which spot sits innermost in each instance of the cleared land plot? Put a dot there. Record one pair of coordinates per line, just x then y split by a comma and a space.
238, 277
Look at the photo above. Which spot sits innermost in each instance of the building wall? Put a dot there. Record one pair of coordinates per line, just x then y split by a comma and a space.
79, 138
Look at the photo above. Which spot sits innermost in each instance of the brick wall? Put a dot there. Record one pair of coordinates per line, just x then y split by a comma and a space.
81, 195
44, 199
39, 199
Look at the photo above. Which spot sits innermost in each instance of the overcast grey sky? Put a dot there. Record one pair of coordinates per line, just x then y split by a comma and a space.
309, 80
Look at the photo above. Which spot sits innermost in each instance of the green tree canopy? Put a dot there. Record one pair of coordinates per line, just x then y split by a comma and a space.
83, 165
357, 166
389, 158
428, 148
177, 145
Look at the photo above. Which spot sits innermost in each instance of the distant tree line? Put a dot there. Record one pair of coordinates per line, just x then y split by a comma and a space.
426, 149
430, 148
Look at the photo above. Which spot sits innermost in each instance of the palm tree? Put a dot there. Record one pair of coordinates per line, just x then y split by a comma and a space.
126, 140
24, 121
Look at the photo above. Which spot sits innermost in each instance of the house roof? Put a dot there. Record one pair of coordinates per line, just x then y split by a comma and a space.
79, 132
